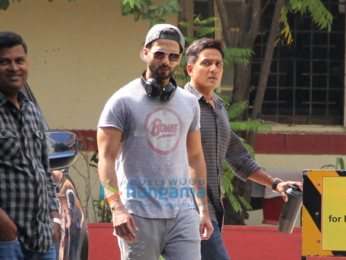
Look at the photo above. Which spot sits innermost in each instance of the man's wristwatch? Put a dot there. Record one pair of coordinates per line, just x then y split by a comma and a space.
275, 184
56, 220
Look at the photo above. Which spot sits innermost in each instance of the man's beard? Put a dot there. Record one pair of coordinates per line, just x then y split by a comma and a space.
161, 76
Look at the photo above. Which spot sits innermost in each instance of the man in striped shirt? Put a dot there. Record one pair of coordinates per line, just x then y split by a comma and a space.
220, 143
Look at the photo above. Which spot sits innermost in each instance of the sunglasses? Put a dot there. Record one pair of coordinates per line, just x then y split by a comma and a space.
160, 55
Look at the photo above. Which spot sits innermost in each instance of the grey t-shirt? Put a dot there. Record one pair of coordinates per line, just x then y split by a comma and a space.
152, 163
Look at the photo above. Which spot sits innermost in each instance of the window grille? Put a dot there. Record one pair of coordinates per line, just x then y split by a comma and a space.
306, 81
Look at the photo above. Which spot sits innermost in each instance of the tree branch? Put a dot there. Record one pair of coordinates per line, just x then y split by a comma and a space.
265, 68
226, 29
182, 18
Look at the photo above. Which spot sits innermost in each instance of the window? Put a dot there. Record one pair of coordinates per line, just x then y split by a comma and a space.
306, 82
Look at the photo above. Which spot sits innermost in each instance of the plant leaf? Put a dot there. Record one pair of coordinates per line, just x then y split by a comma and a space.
186, 24
339, 164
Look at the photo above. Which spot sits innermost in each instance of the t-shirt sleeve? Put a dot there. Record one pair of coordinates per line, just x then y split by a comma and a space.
195, 125
114, 113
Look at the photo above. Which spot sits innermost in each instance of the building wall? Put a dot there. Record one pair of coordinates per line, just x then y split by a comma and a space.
80, 53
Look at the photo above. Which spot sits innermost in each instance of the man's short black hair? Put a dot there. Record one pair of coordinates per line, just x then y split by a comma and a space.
199, 45
11, 39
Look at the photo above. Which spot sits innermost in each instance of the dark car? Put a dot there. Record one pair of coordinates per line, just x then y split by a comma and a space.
63, 150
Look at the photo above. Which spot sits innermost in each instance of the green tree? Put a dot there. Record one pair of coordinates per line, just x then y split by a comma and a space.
248, 19
4, 4
148, 10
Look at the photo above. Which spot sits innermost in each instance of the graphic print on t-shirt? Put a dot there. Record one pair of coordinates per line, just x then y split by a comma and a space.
164, 128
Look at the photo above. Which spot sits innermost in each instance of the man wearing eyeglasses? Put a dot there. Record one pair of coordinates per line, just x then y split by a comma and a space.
150, 151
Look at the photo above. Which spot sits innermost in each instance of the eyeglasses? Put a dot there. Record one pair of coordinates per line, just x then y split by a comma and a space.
160, 55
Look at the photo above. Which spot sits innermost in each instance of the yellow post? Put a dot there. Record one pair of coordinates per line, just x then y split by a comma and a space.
324, 213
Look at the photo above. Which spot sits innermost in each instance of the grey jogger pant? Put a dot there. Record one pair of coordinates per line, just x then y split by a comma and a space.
174, 239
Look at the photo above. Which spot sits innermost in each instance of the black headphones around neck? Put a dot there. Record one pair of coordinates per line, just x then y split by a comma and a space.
153, 89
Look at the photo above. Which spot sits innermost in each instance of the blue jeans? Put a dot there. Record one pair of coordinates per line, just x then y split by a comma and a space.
15, 250
214, 248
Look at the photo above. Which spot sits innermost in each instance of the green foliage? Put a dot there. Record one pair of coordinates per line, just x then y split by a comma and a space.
189, 39
205, 22
248, 147
234, 55
253, 126
319, 13
238, 202
286, 30
53, 0
102, 212
147, 10
205, 31
227, 185
339, 164
237, 56
180, 73
236, 109
4, 4
186, 25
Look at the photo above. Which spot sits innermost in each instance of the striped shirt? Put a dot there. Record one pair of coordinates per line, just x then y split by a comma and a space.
220, 144
27, 192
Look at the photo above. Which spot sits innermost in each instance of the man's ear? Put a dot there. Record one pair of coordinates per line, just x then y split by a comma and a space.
189, 69
145, 53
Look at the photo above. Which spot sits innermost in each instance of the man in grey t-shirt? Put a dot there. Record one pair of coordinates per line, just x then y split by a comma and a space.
150, 150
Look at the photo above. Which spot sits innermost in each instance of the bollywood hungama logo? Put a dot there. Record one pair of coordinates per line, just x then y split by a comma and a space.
165, 189
108, 193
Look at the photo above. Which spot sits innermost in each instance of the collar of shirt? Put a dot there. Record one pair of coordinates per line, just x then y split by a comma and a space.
23, 100
200, 96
